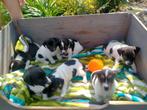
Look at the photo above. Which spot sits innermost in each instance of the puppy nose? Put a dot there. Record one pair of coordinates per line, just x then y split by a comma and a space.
128, 63
106, 88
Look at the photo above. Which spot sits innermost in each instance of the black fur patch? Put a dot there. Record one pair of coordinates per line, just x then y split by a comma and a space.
70, 62
111, 51
35, 76
52, 43
56, 83
40, 56
72, 44
102, 76
105, 45
55, 57
74, 72
47, 59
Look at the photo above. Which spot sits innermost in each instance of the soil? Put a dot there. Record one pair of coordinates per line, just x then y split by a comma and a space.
139, 8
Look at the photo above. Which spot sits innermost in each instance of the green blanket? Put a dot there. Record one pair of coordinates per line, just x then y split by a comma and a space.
129, 87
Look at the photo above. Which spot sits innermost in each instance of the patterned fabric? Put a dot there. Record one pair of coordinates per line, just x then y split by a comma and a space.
129, 87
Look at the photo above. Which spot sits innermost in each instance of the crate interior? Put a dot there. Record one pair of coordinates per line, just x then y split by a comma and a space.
90, 30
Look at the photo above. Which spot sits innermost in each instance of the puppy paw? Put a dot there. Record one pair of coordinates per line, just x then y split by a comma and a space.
85, 81
53, 61
45, 97
59, 57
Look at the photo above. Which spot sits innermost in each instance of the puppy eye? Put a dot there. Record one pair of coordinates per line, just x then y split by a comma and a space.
40, 56
47, 59
102, 78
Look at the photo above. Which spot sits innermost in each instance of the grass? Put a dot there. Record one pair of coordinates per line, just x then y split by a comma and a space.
43, 8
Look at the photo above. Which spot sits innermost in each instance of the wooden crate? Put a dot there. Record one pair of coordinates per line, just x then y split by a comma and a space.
90, 30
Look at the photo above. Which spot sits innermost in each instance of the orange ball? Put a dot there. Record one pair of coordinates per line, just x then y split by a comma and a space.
95, 64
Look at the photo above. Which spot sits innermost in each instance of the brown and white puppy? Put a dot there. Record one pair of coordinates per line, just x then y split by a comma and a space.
103, 82
121, 52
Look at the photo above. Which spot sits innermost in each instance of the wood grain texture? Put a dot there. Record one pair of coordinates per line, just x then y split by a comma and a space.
113, 105
137, 36
7, 42
90, 30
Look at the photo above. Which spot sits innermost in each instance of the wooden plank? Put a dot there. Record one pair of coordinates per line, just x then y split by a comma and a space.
91, 30
7, 42
113, 105
137, 36
1, 53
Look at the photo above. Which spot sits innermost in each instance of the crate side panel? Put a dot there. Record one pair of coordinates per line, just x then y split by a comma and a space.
8, 38
137, 36
1, 52
91, 30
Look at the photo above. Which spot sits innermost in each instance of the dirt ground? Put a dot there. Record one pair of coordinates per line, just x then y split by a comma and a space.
140, 9
140, 3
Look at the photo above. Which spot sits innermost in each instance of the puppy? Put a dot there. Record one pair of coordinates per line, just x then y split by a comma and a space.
70, 47
38, 83
49, 50
23, 58
103, 83
67, 71
121, 52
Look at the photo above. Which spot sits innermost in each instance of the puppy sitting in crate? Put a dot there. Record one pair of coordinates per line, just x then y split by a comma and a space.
49, 50
61, 48
67, 71
40, 84
103, 83
70, 47
121, 53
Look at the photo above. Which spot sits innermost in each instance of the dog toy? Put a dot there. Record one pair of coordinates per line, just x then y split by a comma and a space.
95, 64
22, 44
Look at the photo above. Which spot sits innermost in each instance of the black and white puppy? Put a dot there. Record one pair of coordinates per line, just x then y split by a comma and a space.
70, 47
40, 84
22, 59
121, 52
49, 50
103, 82
67, 71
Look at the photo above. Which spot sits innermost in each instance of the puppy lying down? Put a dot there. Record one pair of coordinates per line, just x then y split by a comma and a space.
122, 53
55, 49
40, 84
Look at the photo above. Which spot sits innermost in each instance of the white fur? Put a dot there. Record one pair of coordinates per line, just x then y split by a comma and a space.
36, 88
45, 97
46, 53
65, 72
101, 94
77, 48
115, 45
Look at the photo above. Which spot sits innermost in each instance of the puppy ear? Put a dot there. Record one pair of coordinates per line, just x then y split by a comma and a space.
120, 51
27, 78
105, 45
137, 49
